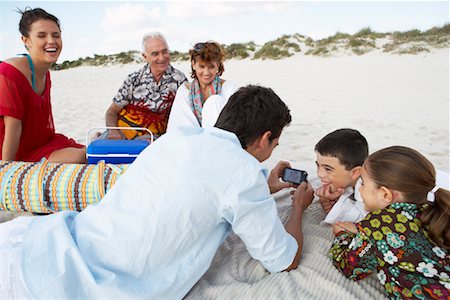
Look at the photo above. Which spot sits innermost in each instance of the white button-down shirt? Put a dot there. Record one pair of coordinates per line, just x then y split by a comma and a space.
156, 231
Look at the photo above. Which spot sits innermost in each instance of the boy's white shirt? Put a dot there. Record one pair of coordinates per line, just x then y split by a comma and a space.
346, 209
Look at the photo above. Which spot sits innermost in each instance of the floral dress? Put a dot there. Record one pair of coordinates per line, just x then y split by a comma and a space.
393, 242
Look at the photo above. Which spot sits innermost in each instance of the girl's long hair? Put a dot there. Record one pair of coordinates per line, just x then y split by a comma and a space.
409, 172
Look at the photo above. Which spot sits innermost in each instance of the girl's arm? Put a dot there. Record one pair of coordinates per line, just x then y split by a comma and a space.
353, 255
344, 226
13, 131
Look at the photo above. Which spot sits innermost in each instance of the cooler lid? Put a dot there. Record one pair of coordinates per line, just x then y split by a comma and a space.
117, 146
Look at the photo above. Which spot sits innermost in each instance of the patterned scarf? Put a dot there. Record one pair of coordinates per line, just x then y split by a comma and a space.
196, 98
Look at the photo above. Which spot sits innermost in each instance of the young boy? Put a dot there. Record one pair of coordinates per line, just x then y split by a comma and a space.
339, 158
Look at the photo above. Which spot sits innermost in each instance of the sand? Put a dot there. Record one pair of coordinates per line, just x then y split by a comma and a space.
390, 99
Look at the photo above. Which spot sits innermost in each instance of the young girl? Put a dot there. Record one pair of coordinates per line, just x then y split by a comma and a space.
406, 236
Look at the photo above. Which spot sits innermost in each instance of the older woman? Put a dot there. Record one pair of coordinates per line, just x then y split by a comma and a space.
199, 103
27, 131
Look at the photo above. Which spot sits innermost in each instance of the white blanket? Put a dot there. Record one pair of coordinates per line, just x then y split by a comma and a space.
235, 275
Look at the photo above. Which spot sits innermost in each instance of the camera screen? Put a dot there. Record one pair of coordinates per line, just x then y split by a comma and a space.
294, 176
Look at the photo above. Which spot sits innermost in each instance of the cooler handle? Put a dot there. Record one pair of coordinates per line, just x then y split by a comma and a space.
121, 128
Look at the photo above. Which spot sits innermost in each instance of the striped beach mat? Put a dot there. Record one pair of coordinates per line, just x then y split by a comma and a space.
43, 187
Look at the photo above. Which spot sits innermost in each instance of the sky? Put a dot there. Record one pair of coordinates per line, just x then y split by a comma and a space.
107, 27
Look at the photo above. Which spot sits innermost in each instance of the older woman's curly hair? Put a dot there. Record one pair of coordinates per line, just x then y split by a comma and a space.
208, 52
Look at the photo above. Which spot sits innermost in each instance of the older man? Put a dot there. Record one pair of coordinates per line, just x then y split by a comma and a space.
146, 96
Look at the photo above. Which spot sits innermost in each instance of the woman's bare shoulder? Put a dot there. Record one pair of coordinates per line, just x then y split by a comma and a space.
20, 63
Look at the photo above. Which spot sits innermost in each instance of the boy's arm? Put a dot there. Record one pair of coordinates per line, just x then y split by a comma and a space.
327, 198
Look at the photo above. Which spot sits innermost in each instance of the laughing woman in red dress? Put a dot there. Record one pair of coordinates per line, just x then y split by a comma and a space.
27, 131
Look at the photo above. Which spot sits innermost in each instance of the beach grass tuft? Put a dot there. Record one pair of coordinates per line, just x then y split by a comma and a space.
363, 41
282, 47
239, 50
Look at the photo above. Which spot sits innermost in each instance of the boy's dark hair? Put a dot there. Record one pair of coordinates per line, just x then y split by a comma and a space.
252, 111
348, 145
29, 16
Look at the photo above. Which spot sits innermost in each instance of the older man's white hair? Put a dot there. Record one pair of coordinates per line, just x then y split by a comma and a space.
152, 35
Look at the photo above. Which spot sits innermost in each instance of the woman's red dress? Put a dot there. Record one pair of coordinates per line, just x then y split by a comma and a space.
18, 100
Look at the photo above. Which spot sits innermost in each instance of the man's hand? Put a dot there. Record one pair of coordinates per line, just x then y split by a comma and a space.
274, 182
328, 198
115, 134
303, 196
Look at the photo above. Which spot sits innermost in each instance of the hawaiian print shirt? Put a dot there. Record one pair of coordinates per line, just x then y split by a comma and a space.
393, 242
147, 103
141, 89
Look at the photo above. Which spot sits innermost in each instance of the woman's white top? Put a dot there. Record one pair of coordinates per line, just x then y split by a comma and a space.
182, 114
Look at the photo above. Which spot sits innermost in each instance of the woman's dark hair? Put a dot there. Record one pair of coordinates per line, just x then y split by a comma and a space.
409, 172
252, 111
29, 16
208, 52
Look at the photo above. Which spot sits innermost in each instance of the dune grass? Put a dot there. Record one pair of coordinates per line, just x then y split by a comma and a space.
365, 40
279, 48
239, 50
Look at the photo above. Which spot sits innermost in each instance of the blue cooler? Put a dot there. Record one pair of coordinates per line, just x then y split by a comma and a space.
115, 151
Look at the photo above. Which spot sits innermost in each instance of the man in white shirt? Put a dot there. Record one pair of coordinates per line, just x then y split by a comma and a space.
156, 231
